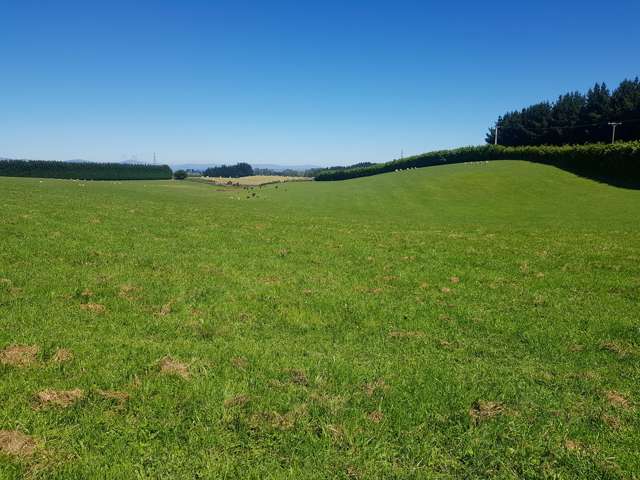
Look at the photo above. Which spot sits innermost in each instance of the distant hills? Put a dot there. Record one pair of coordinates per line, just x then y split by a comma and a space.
199, 166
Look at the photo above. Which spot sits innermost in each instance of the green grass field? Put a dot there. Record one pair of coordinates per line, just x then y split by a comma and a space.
464, 321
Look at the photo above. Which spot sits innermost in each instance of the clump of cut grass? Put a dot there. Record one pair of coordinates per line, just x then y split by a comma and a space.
19, 355
58, 398
14, 443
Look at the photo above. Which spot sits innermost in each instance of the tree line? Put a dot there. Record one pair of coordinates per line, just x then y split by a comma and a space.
232, 171
83, 170
574, 118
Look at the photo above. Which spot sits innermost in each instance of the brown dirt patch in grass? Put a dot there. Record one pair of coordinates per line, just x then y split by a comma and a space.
117, 396
16, 444
62, 355
240, 362
612, 421
86, 293
375, 416
170, 366
96, 308
617, 399
237, 401
445, 290
128, 292
165, 310
352, 472
455, 279
299, 377
620, 349
19, 355
59, 398
573, 445
405, 334
372, 387
277, 420
482, 410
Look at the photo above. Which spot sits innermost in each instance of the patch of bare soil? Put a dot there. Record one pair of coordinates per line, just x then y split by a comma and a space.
96, 308
482, 410
115, 395
86, 293
572, 445
620, 349
237, 401
445, 290
19, 355
352, 472
612, 421
165, 309
170, 366
16, 444
298, 377
59, 398
277, 420
455, 279
376, 416
128, 292
617, 399
372, 387
62, 355
240, 362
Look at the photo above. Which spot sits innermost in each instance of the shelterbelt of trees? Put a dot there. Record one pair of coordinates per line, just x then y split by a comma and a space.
232, 171
617, 163
574, 118
83, 170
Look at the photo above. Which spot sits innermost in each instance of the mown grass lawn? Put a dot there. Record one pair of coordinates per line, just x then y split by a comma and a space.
464, 321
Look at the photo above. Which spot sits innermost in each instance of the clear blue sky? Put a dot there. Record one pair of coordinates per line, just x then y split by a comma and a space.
291, 82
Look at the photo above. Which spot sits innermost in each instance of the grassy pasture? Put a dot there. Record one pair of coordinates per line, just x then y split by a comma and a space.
464, 321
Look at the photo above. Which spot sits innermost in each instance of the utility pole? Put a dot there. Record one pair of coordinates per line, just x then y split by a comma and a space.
495, 135
402, 154
154, 158
613, 133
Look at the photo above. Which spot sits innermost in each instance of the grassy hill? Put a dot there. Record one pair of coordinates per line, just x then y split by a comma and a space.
463, 321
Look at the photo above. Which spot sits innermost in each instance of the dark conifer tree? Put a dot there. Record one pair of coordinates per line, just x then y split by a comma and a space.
574, 118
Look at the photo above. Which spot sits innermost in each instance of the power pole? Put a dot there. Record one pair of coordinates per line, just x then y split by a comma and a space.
613, 133
495, 135
402, 154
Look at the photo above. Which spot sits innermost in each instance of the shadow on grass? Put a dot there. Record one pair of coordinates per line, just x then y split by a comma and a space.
631, 182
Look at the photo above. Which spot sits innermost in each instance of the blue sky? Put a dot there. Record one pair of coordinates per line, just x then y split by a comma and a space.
291, 82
